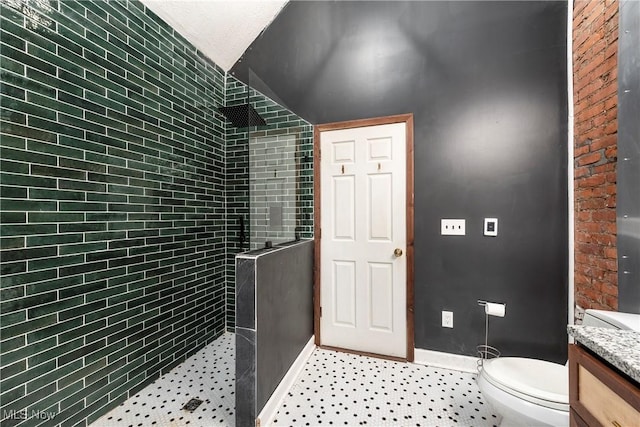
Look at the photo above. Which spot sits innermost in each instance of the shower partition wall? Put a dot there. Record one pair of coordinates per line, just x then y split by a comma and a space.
269, 175
273, 154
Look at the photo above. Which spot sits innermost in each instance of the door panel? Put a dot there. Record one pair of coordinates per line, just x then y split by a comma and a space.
381, 296
379, 149
363, 284
380, 207
344, 289
344, 207
343, 151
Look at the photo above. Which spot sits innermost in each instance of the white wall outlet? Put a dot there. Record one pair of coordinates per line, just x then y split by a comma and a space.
447, 319
452, 227
491, 226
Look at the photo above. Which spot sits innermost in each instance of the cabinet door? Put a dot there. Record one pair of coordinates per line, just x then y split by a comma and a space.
598, 394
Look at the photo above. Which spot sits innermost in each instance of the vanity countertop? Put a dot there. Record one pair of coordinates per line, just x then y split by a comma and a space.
621, 348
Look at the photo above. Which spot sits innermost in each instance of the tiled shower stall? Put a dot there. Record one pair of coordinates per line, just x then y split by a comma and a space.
122, 189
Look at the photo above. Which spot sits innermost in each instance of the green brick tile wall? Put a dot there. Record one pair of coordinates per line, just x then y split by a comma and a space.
279, 120
113, 230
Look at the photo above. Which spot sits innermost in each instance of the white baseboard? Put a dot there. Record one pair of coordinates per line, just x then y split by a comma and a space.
265, 418
446, 360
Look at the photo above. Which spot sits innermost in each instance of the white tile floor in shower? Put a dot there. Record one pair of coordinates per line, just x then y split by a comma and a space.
334, 389
208, 375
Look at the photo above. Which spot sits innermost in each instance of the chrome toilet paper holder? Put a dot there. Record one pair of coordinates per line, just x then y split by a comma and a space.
485, 351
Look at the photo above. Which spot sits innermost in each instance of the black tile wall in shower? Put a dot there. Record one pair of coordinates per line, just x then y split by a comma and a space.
113, 206
279, 120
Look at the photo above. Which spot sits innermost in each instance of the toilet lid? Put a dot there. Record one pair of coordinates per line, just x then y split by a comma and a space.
541, 380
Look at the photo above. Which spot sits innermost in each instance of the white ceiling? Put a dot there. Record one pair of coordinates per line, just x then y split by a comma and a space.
221, 29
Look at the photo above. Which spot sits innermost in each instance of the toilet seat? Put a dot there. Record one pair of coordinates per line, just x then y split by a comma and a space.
536, 381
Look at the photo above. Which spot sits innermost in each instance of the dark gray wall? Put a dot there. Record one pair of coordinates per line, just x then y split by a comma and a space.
486, 83
628, 186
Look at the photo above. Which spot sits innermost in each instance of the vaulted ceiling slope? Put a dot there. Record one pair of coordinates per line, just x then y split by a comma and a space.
323, 59
221, 29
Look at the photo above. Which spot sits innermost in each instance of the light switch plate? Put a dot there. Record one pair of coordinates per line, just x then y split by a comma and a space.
491, 226
447, 319
452, 227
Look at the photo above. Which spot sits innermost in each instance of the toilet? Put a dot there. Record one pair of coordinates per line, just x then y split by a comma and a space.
531, 392
526, 392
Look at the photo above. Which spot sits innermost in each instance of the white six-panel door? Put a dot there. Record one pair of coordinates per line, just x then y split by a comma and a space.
363, 223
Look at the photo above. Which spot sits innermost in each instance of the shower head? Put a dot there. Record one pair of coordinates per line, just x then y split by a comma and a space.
242, 116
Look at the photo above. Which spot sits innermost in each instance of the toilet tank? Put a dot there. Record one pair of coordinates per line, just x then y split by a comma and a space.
612, 319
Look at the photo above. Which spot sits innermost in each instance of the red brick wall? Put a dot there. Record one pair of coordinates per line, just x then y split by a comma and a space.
595, 59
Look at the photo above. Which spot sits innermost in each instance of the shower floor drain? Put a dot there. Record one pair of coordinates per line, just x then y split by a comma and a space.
192, 405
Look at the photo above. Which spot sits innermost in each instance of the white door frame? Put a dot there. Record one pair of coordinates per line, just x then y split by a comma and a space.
402, 118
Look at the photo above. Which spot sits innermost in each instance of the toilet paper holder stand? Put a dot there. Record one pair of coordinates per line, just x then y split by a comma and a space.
485, 351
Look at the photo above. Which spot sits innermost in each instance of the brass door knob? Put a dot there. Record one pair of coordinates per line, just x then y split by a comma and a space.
397, 252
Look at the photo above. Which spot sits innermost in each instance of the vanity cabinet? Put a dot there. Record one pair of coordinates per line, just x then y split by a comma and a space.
598, 394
